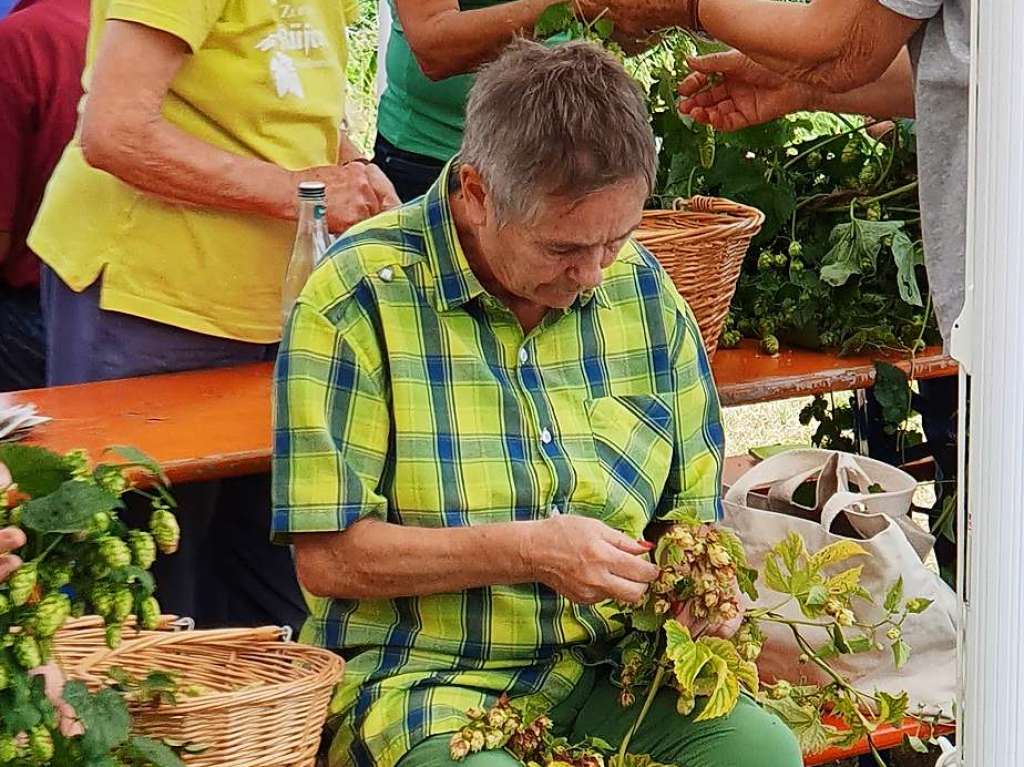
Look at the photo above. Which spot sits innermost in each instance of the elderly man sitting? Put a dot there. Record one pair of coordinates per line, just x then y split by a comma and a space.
483, 399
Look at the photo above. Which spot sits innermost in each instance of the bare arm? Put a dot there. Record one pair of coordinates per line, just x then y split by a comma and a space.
892, 95
747, 93
834, 45
448, 41
582, 558
125, 134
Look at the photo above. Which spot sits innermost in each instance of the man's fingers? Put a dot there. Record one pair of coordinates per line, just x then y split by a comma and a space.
382, 185
635, 568
623, 542
11, 538
723, 62
692, 83
627, 591
8, 564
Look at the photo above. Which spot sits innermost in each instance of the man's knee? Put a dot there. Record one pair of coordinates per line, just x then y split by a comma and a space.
433, 752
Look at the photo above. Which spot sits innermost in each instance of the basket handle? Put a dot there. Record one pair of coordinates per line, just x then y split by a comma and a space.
159, 639
698, 203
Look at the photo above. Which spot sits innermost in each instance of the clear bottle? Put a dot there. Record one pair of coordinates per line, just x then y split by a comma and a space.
311, 242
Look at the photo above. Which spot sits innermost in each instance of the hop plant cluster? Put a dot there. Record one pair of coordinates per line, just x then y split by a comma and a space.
80, 558
530, 741
698, 574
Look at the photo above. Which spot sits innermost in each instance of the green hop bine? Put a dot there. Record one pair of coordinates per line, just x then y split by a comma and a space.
143, 548
40, 744
149, 613
113, 636
114, 552
8, 748
27, 652
164, 527
22, 583
122, 604
51, 614
102, 597
56, 576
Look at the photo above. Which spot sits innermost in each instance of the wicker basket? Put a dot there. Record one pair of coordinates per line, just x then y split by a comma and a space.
264, 702
81, 637
701, 243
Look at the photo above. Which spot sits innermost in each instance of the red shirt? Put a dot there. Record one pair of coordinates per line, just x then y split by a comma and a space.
42, 53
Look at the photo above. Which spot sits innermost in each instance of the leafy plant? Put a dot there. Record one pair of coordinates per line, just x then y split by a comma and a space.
79, 557
672, 645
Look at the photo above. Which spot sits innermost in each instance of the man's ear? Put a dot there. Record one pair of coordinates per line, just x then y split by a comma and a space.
474, 195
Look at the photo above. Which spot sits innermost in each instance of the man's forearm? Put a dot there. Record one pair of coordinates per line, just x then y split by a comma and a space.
834, 45
452, 42
380, 560
892, 95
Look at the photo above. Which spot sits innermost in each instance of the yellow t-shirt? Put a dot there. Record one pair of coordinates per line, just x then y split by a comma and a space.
265, 79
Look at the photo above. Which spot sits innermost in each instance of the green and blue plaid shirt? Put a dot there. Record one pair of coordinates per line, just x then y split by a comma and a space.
405, 392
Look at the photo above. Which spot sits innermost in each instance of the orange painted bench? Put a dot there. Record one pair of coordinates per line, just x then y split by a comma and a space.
210, 424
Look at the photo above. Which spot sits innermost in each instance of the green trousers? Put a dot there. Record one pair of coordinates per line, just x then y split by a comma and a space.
748, 737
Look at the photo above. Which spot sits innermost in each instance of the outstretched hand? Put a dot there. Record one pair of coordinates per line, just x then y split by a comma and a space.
730, 91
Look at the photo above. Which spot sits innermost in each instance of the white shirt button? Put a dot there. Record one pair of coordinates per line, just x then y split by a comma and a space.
545, 436
523, 355
386, 274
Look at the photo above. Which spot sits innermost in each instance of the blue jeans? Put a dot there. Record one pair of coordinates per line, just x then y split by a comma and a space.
22, 340
412, 174
226, 573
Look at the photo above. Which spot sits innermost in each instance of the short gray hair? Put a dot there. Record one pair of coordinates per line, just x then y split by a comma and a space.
562, 120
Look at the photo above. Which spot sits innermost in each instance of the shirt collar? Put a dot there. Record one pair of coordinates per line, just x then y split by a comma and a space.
456, 284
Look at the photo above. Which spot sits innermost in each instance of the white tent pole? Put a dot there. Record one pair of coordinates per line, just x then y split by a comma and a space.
383, 33
990, 345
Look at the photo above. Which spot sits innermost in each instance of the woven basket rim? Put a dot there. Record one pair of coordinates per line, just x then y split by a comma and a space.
245, 640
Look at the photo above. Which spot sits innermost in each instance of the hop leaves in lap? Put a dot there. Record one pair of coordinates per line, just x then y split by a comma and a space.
164, 527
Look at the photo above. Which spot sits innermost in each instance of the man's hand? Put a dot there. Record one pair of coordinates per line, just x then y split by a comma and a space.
744, 94
11, 539
53, 679
586, 561
355, 192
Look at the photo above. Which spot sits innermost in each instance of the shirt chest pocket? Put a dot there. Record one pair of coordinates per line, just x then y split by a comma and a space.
632, 442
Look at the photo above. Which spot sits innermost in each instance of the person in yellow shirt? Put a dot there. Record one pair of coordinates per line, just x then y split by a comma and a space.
166, 228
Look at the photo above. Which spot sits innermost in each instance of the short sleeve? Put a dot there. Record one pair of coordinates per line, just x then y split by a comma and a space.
913, 9
331, 426
695, 478
189, 20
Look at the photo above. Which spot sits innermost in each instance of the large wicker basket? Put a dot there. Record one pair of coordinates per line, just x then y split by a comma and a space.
263, 702
701, 243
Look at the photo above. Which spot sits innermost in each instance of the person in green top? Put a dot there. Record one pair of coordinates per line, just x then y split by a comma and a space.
484, 401
433, 49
